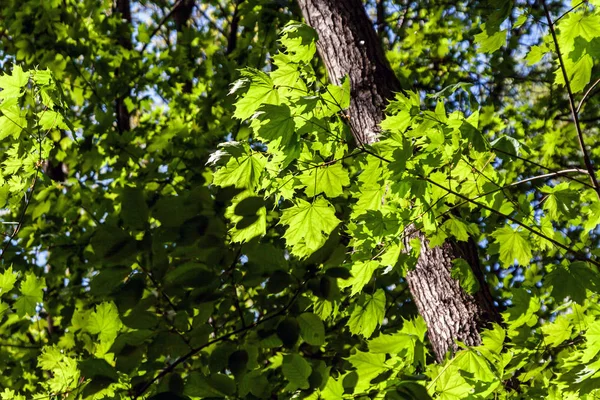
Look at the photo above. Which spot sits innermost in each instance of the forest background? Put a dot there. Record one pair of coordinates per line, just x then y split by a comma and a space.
311, 199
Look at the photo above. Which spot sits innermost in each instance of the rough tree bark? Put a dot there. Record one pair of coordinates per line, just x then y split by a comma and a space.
348, 45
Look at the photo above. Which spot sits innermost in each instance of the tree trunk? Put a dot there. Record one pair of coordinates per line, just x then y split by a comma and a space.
348, 45
181, 15
123, 117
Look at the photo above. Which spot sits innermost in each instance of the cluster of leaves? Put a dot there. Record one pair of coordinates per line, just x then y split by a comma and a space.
279, 271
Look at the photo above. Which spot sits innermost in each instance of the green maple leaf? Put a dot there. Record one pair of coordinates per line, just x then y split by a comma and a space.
456, 228
64, 369
299, 41
493, 339
579, 72
593, 215
7, 280
478, 366
395, 343
573, 281
275, 125
247, 227
337, 98
334, 390
514, 245
557, 332
361, 275
309, 225
287, 74
104, 322
12, 84
561, 201
536, 53
592, 337
368, 366
9, 394
463, 273
577, 24
12, 122
329, 180
523, 309
261, 90
366, 317
32, 291
491, 38
450, 385
243, 172
296, 370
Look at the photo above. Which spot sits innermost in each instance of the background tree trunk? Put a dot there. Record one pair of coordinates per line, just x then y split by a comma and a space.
123, 117
348, 45
182, 14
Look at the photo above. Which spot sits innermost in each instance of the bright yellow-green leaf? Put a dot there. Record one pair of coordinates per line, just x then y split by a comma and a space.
491, 40
104, 322
366, 317
329, 179
309, 225
557, 332
261, 90
7, 280
368, 366
574, 25
299, 40
12, 84
32, 291
243, 172
514, 245
361, 271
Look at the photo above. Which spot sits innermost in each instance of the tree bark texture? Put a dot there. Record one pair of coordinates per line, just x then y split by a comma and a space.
348, 45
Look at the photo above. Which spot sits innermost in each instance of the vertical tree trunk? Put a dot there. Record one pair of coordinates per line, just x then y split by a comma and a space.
181, 15
348, 45
123, 9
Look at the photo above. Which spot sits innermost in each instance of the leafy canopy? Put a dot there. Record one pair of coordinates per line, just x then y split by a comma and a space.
234, 241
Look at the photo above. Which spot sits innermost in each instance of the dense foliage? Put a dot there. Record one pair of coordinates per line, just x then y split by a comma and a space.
230, 240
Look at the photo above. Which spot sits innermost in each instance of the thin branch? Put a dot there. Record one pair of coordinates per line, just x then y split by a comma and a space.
568, 11
574, 115
515, 221
160, 25
541, 166
586, 95
194, 351
550, 175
